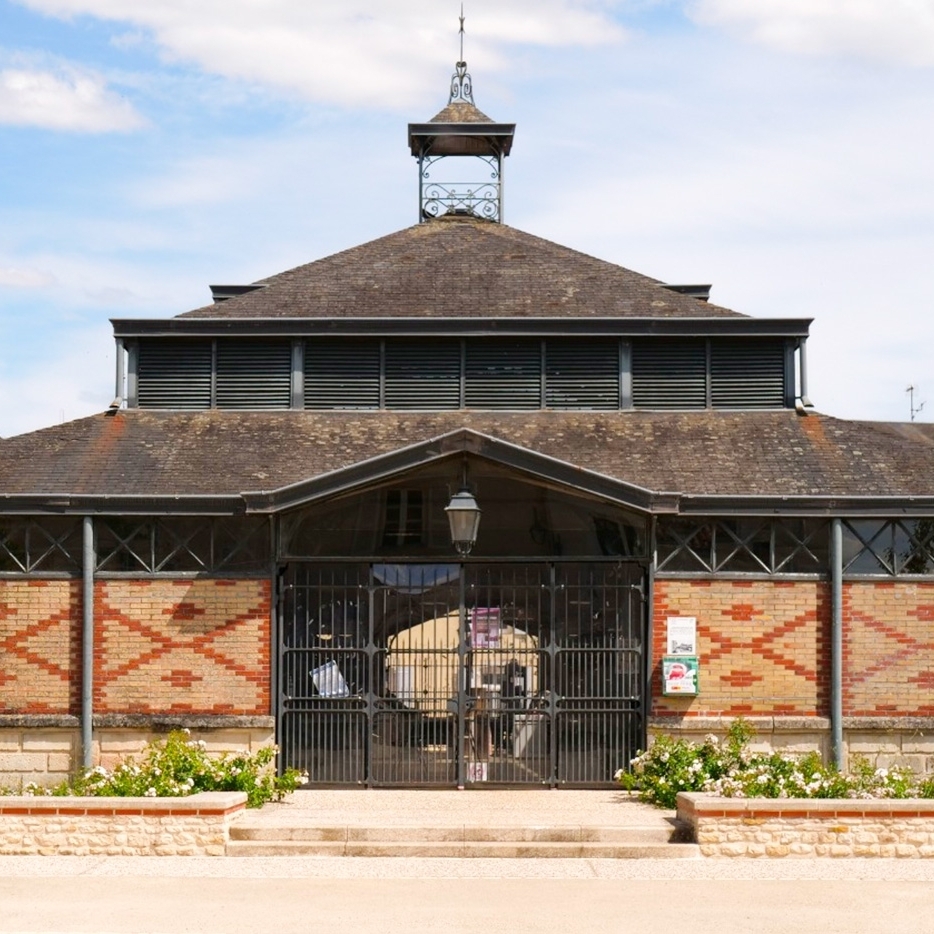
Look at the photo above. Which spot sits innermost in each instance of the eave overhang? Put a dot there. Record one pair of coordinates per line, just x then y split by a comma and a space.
857, 507
128, 328
105, 504
496, 137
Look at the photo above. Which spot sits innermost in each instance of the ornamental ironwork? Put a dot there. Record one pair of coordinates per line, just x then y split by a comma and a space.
742, 546
51, 545
888, 547
461, 85
182, 545
480, 198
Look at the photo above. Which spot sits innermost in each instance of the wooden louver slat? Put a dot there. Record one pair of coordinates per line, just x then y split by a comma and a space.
254, 374
669, 374
503, 374
342, 374
582, 374
174, 374
747, 374
423, 374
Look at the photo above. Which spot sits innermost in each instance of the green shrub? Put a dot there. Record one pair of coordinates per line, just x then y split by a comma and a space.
180, 766
731, 769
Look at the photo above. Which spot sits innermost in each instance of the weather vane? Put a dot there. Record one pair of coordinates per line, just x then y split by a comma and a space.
462, 32
461, 85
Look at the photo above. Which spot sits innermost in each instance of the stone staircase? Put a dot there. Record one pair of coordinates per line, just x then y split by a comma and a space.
665, 839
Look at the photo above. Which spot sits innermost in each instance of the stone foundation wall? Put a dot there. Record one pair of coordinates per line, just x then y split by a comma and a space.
797, 827
47, 750
194, 826
883, 742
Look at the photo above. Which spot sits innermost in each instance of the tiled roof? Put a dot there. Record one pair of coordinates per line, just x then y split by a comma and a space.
461, 267
461, 112
703, 453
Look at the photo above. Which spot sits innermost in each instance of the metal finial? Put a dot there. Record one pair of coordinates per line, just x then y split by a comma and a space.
461, 83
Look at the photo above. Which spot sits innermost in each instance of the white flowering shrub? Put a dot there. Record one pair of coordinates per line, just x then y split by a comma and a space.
731, 769
180, 766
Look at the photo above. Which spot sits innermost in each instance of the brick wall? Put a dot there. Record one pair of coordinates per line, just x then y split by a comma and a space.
763, 647
888, 646
40, 646
192, 646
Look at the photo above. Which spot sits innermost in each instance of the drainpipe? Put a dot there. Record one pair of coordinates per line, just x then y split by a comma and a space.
836, 641
120, 384
87, 646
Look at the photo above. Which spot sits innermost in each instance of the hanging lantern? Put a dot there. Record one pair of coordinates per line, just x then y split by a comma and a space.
464, 517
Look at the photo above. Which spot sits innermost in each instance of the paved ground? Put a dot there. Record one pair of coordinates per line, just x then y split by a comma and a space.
470, 808
479, 896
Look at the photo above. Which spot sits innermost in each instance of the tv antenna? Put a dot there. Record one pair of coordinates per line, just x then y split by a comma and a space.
912, 408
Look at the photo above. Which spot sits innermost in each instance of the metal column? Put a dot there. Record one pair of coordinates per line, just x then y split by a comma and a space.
89, 561
836, 641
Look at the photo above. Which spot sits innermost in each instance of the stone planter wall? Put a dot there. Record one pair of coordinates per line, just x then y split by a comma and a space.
195, 826
804, 827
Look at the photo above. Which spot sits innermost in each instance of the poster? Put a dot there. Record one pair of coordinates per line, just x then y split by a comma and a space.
682, 635
484, 627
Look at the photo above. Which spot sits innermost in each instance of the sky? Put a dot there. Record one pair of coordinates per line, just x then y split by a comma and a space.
782, 150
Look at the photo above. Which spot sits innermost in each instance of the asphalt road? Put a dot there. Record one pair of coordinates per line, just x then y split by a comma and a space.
399, 896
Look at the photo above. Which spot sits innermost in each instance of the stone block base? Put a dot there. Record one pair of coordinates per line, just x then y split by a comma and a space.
47, 750
883, 741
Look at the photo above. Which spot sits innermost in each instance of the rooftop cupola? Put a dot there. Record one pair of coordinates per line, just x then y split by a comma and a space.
460, 154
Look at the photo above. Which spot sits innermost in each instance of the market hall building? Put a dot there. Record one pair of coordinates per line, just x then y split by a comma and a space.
462, 506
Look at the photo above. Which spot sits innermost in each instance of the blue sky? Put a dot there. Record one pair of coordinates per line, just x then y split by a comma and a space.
780, 149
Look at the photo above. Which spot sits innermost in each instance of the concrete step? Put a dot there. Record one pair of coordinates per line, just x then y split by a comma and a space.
472, 849
664, 838
314, 833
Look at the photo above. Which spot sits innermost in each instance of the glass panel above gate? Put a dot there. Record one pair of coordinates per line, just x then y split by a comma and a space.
521, 517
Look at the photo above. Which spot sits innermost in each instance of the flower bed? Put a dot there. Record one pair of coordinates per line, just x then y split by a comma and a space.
729, 768
788, 827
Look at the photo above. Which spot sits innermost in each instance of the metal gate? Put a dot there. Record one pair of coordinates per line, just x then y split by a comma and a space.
458, 674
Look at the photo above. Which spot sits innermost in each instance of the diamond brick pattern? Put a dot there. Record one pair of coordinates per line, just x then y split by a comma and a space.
192, 646
763, 647
888, 649
40, 647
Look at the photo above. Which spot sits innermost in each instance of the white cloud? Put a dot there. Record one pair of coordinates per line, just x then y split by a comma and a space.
24, 277
356, 52
65, 99
893, 31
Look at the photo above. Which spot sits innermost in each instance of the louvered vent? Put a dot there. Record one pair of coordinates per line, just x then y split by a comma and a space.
503, 374
582, 374
342, 374
254, 374
423, 374
748, 374
174, 374
669, 374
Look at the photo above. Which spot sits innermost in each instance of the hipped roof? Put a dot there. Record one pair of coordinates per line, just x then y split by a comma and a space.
461, 267
684, 461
